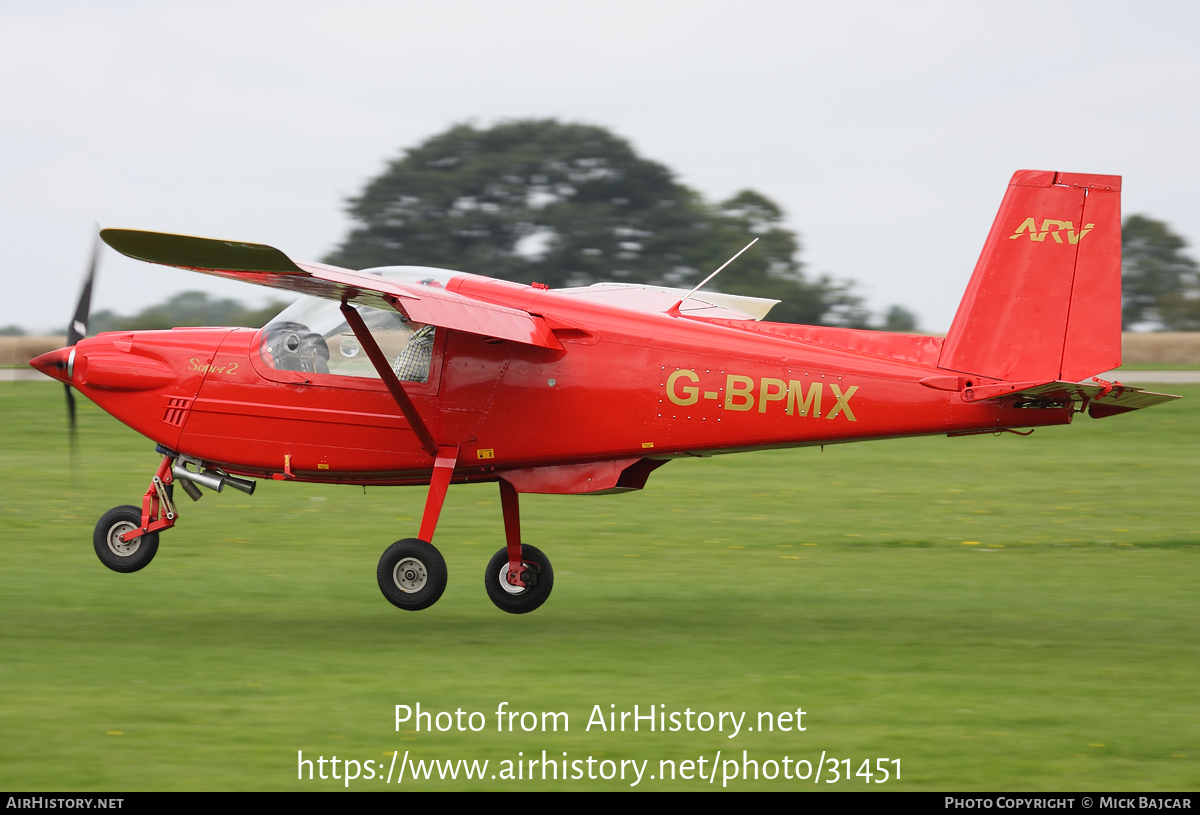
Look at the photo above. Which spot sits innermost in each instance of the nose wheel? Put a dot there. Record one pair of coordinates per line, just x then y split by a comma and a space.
126, 538
116, 554
411, 574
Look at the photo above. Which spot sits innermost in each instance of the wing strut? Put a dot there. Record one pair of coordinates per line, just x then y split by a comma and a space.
389, 378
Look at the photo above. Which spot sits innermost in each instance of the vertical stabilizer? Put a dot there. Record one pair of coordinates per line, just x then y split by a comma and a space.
1044, 301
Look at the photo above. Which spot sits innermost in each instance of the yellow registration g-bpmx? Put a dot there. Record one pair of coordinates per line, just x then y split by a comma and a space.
740, 394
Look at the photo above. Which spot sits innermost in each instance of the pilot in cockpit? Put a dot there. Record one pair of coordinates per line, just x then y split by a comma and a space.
412, 365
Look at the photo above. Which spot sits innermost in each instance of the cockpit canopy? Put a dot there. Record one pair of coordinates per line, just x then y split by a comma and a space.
312, 335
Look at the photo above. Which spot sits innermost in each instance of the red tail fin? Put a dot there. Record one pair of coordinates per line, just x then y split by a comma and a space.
1045, 299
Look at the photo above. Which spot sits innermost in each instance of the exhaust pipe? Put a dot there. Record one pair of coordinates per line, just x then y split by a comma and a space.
241, 484
210, 479
191, 489
214, 482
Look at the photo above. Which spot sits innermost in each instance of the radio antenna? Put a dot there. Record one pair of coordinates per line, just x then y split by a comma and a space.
675, 308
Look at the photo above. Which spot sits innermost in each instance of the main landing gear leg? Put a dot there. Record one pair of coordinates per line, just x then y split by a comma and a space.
411, 573
126, 538
518, 577
443, 468
510, 504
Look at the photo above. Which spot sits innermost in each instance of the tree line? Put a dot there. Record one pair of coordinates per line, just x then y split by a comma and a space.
189, 308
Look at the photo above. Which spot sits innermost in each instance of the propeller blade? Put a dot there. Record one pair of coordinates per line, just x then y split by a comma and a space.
78, 328
71, 413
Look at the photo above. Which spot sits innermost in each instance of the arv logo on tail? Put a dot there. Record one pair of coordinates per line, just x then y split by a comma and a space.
1050, 227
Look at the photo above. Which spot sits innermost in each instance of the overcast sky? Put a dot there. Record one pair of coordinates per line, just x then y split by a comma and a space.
887, 131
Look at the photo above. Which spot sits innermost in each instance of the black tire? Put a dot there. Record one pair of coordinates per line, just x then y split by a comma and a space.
527, 599
123, 557
411, 574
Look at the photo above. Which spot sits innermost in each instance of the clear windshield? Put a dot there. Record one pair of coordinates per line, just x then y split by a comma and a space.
312, 335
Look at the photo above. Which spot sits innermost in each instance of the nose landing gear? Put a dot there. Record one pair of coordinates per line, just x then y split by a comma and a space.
126, 538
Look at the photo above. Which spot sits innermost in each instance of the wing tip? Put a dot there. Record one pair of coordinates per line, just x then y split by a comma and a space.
193, 252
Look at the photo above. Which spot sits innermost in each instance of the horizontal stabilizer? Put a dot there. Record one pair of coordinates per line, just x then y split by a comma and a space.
1102, 400
267, 266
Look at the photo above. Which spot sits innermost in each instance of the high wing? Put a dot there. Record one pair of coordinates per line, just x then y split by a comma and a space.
267, 266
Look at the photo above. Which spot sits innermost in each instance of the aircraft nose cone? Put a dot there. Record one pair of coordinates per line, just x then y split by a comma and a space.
55, 364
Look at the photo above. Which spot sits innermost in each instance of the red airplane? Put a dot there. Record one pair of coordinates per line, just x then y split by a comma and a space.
411, 375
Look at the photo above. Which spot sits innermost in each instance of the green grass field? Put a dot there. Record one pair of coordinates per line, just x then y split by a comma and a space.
995, 612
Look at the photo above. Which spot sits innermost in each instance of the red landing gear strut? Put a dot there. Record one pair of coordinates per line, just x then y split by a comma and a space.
443, 468
510, 504
158, 508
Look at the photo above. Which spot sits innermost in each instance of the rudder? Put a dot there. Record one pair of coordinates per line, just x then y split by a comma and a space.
1044, 301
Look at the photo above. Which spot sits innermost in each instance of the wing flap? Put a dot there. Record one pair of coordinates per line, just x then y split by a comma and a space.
267, 266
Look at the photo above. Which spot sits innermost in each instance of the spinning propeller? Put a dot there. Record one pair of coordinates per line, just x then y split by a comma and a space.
78, 328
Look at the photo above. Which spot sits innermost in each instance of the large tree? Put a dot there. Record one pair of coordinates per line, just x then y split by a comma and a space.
1160, 284
570, 205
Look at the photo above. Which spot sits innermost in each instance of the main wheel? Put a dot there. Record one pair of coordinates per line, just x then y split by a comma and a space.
118, 556
412, 574
515, 599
